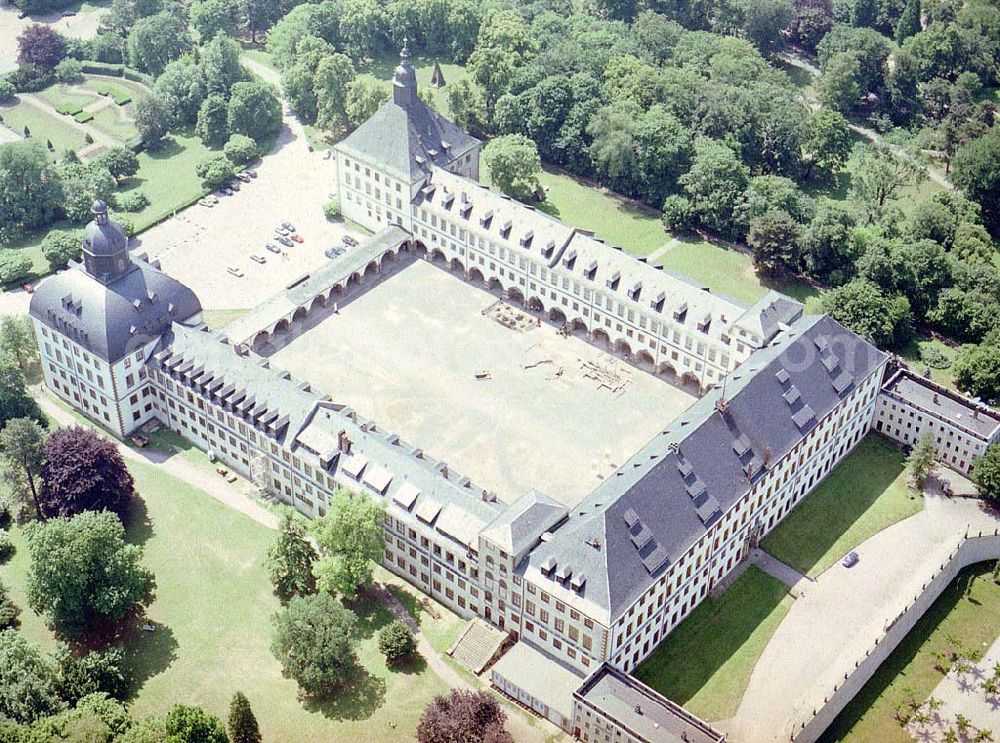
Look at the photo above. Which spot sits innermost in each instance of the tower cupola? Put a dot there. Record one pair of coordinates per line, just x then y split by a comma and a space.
105, 246
404, 82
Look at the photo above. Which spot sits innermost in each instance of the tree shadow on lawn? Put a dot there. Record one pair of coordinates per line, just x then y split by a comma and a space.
357, 700
138, 525
414, 665
147, 654
694, 652
371, 614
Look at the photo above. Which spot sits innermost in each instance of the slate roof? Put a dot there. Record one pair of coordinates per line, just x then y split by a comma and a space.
939, 401
406, 140
768, 314
646, 515
112, 320
641, 710
524, 521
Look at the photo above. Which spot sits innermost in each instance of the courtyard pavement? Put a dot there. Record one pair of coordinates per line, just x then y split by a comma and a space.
408, 352
796, 581
838, 617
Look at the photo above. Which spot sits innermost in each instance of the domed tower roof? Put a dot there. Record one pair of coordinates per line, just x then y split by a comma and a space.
105, 246
404, 82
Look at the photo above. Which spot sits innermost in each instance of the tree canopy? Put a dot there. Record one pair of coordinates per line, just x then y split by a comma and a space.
84, 472
314, 641
350, 539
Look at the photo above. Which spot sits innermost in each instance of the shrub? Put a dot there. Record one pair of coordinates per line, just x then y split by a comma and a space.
6, 518
14, 266
7, 91
9, 612
88, 138
69, 70
934, 357
7, 548
678, 214
215, 170
332, 209
30, 79
83, 117
396, 642
59, 248
118, 94
134, 201
69, 109
240, 149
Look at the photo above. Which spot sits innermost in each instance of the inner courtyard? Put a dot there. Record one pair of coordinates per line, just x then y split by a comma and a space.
506, 400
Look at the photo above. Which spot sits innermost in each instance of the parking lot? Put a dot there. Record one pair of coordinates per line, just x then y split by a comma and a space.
426, 355
200, 243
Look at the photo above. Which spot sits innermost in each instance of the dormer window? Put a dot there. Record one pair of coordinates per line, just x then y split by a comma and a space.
613, 280
591, 270
505, 229
549, 248
681, 312
569, 259
657, 302
526, 239
634, 291
484, 221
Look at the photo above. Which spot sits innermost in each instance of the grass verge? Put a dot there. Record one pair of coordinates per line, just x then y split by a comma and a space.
706, 662
863, 495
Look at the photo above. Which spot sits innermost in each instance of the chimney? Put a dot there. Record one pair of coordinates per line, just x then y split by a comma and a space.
935, 398
343, 443
444, 471
638, 709
767, 457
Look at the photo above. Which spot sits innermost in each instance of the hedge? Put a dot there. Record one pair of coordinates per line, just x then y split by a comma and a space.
83, 117
117, 70
69, 109
118, 94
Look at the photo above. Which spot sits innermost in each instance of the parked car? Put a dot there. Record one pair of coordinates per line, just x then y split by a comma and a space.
235, 271
851, 560
245, 177
234, 185
206, 202
227, 191
297, 238
221, 192
348, 240
273, 248
334, 252
252, 173
258, 258
288, 226
280, 231
213, 198
285, 241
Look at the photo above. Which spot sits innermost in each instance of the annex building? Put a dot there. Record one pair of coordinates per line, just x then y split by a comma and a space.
590, 588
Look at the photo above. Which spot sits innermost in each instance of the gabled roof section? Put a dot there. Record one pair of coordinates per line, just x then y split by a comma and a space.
766, 317
649, 512
406, 140
524, 521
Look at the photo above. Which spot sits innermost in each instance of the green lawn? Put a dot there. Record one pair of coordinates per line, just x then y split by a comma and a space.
167, 177
863, 495
706, 662
942, 376
261, 57
109, 120
424, 67
44, 127
67, 98
213, 607
909, 672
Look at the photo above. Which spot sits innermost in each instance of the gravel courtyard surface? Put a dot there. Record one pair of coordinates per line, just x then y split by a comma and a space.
83, 25
406, 354
198, 244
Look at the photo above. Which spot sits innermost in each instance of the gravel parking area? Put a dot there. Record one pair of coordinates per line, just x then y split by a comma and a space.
200, 243
407, 353
82, 25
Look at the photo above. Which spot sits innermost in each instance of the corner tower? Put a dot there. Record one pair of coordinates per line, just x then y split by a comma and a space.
404, 81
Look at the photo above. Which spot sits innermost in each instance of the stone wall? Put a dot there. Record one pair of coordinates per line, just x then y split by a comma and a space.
972, 549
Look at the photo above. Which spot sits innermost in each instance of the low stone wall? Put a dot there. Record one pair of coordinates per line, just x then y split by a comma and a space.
971, 549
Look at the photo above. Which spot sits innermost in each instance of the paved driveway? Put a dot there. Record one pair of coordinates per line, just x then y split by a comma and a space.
81, 26
839, 616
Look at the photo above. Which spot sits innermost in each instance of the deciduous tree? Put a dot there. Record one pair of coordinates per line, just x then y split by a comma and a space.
350, 539
40, 46
188, 724
253, 110
922, 460
863, 308
84, 472
27, 680
22, 452
213, 125
313, 640
83, 573
463, 715
396, 641
986, 473
514, 164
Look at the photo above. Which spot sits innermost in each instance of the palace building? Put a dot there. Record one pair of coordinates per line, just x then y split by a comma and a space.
784, 397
